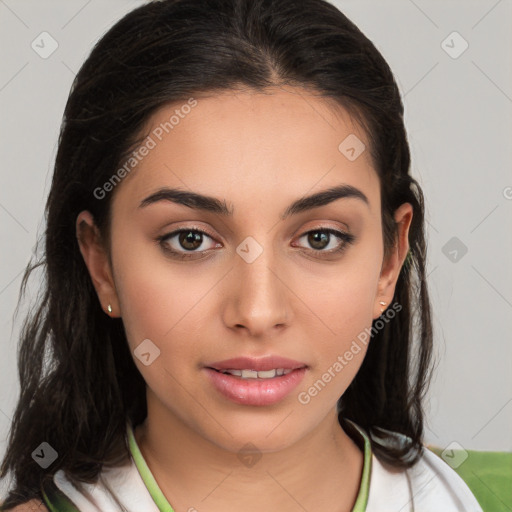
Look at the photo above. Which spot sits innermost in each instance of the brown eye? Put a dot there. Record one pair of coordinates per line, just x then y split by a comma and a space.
190, 240
320, 239
185, 243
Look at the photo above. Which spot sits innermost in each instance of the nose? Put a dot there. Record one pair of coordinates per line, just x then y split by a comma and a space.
257, 296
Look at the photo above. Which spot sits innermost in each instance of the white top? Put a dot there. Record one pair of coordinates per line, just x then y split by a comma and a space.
431, 485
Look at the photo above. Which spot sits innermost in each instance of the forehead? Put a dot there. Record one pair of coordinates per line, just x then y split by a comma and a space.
251, 142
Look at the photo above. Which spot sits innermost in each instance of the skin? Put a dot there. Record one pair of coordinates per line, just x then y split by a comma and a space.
259, 153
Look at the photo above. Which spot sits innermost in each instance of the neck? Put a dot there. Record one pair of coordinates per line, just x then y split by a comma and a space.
321, 471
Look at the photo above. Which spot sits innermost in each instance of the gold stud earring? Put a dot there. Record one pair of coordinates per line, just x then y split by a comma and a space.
382, 303
109, 308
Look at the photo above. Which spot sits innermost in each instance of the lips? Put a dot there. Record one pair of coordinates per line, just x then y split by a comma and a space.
255, 385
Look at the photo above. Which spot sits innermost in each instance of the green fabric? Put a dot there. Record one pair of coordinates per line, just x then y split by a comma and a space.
487, 474
146, 475
164, 506
364, 489
55, 500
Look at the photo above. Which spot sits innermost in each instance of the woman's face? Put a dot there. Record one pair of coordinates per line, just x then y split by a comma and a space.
245, 279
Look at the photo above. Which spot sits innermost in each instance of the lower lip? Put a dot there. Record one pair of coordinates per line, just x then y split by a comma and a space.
255, 391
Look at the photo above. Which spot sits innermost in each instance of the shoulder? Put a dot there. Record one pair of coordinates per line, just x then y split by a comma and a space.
122, 485
428, 486
30, 506
437, 478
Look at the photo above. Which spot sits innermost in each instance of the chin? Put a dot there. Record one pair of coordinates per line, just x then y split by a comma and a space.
267, 436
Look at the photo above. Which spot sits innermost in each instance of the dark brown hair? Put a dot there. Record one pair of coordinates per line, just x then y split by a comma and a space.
79, 384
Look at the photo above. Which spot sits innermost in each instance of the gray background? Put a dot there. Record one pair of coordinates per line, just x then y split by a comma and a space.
459, 121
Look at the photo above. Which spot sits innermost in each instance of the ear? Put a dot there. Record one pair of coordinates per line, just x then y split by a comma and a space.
392, 266
96, 260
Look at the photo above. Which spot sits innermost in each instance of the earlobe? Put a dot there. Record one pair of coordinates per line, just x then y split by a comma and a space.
97, 263
392, 266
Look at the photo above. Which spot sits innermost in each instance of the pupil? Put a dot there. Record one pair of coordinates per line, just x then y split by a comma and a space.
190, 237
315, 239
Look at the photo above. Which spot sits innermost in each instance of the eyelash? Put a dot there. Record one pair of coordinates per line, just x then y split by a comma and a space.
345, 237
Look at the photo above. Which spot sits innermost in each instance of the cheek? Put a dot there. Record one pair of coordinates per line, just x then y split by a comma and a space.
340, 340
343, 303
147, 312
160, 300
344, 300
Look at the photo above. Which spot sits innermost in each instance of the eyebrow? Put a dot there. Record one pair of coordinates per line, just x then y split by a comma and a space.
214, 205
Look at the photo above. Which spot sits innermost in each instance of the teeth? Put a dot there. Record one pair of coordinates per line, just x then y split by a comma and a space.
268, 374
253, 374
238, 373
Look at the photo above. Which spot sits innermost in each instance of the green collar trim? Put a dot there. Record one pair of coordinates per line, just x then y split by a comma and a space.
164, 506
55, 500
146, 475
364, 488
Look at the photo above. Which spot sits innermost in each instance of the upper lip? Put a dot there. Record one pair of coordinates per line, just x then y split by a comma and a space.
258, 364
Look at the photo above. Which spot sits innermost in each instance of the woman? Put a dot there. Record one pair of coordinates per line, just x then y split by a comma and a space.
236, 306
